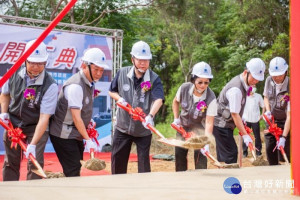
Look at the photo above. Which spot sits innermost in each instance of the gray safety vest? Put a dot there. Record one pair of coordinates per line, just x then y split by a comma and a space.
224, 118
191, 118
278, 106
62, 124
135, 98
25, 113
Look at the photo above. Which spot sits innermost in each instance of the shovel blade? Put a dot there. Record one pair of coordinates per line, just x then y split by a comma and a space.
39, 172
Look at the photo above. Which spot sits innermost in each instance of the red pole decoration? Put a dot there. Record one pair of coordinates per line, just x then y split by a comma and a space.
295, 95
44, 34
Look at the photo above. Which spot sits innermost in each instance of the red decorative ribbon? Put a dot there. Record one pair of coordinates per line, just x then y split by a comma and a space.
248, 130
273, 128
93, 133
135, 113
15, 135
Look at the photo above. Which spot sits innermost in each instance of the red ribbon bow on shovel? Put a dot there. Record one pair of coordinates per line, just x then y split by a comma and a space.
16, 136
277, 132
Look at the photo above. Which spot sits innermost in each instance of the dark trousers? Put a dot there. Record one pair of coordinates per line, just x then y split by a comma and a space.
69, 153
181, 161
256, 131
225, 145
12, 160
121, 150
274, 156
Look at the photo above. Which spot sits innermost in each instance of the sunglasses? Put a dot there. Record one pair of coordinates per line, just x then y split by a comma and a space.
200, 83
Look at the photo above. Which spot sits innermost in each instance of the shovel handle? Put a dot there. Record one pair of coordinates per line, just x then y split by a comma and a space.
92, 153
284, 155
252, 150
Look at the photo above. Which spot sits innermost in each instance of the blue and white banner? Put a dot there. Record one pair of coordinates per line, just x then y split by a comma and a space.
65, 51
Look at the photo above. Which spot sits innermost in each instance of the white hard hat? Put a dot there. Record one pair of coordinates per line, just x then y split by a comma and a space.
257, 68
39, 54
202, 70
141, 50
95, 56
278, 66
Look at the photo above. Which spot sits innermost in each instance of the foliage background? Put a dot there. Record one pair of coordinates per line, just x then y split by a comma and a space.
223, 33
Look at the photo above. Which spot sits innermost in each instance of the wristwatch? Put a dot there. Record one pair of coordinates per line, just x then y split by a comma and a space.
151, 116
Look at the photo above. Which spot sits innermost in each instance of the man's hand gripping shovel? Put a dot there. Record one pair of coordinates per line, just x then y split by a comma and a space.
138, 114
215, 162
250, 145
277, 132
16, 136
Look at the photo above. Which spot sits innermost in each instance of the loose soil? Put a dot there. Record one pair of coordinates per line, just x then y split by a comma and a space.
169, 166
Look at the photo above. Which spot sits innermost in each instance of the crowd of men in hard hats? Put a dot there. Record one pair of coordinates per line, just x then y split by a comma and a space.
30, 97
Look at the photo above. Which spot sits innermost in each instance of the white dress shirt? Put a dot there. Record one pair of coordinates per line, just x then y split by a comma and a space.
252, 108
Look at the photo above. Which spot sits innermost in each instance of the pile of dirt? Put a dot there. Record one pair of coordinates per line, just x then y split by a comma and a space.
260, 161
50, 174
94, 164
196, 142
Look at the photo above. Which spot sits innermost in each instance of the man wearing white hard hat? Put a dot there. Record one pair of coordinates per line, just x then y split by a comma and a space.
277, 101
231, 103
74, 112
28, 100
198, 109
140, 87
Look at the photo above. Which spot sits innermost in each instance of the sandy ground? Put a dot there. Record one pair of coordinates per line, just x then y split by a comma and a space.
169, 166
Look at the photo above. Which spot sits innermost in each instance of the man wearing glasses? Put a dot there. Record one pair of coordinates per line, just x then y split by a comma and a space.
28, 100
140, 87
231, 103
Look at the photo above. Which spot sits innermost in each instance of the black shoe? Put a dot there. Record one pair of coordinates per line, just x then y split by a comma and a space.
258, 153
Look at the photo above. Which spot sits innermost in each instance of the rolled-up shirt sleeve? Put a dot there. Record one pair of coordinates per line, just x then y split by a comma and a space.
49, 100
157, 91
234, 96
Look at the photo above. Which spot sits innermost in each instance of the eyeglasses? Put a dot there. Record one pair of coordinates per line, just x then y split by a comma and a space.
35, 63
200, 83
142, 60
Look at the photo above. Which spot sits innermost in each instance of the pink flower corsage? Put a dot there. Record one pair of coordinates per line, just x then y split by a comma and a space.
29, 93
96, 93
286, 97
201, 106
249, 91
146, 86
